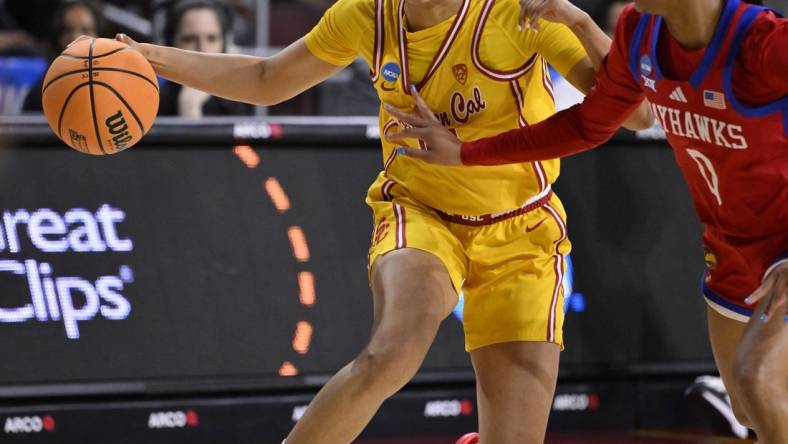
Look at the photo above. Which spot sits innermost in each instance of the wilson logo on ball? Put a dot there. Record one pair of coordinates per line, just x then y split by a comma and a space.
116, 125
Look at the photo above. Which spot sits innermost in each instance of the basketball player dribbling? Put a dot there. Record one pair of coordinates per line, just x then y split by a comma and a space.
716, 74
496, 233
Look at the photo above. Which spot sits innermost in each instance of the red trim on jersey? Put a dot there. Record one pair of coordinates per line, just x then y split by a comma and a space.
489, 219
558, 266
539, 172
402, 240
477, 60
442, 52
403, 48
548, 84
379, 40
385, 190
389, 161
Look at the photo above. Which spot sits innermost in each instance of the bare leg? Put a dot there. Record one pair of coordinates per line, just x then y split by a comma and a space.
515, 387
725, 335
413, 294
754, 367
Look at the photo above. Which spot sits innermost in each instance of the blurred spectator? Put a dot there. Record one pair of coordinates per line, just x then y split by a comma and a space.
197, 25
611, 17
71, 19
15, 38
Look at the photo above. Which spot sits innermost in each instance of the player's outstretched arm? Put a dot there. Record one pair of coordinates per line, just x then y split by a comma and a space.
579, 128
255, 80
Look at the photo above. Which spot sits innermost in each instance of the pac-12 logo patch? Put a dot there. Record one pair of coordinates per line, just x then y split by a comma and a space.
646, 67
391, 72
460, 72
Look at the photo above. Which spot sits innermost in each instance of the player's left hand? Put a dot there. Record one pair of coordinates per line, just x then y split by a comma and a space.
443, 147
559, 11
775, 291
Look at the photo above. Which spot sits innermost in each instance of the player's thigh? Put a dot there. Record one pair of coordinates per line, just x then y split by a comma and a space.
515, 384
416, 263
726, 335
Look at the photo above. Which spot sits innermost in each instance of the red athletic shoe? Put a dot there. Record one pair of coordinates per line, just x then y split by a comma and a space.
470, 438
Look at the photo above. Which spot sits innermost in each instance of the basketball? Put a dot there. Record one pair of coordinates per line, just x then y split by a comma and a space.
100, 96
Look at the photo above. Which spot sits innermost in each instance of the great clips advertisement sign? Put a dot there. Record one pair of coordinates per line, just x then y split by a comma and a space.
31, 240
186, 266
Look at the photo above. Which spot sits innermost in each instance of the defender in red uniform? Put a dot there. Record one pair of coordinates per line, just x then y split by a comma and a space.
716, 74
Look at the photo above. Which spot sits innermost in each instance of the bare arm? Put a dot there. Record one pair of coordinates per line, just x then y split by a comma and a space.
594, 40
255, 80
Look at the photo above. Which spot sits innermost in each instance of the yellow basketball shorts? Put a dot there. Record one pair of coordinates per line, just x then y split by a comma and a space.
509, 267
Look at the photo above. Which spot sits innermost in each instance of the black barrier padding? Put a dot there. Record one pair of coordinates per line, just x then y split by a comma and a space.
638, 262
437, 416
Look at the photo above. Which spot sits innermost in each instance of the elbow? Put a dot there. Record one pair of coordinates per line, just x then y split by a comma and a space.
640, 123
263, 94
641, 119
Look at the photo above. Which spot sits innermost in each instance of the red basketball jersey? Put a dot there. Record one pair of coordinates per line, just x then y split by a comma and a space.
734, 157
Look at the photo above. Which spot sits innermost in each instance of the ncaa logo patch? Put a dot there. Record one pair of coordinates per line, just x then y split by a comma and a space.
390, 72
645, 65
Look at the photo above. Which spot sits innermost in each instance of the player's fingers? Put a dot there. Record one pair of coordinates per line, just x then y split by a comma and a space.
523, 15
756, 296
409, 118
778, 298
123, 38
760, 293
527, 8
536, 14
414, 153
777, 305
424, 109
407, 133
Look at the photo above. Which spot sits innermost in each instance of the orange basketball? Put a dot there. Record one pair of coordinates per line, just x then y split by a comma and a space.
100, 96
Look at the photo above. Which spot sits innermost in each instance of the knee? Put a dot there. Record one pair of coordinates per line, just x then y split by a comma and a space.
388, 364
385, 370
758, 387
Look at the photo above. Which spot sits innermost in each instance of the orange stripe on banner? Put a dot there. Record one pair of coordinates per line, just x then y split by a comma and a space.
298, 242
247, 155
303, 337
306, 286
277, 194
288, 369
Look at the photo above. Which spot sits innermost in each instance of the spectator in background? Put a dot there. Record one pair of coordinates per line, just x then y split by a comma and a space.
611, 17
71, 19
204, 26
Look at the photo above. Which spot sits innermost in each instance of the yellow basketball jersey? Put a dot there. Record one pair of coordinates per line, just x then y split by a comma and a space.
485, 77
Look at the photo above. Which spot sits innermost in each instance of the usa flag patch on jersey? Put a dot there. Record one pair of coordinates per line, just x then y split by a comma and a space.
714, 99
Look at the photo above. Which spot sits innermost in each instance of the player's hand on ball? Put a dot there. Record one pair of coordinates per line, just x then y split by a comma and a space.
775, 291
123, 38
559, 11
443, 147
